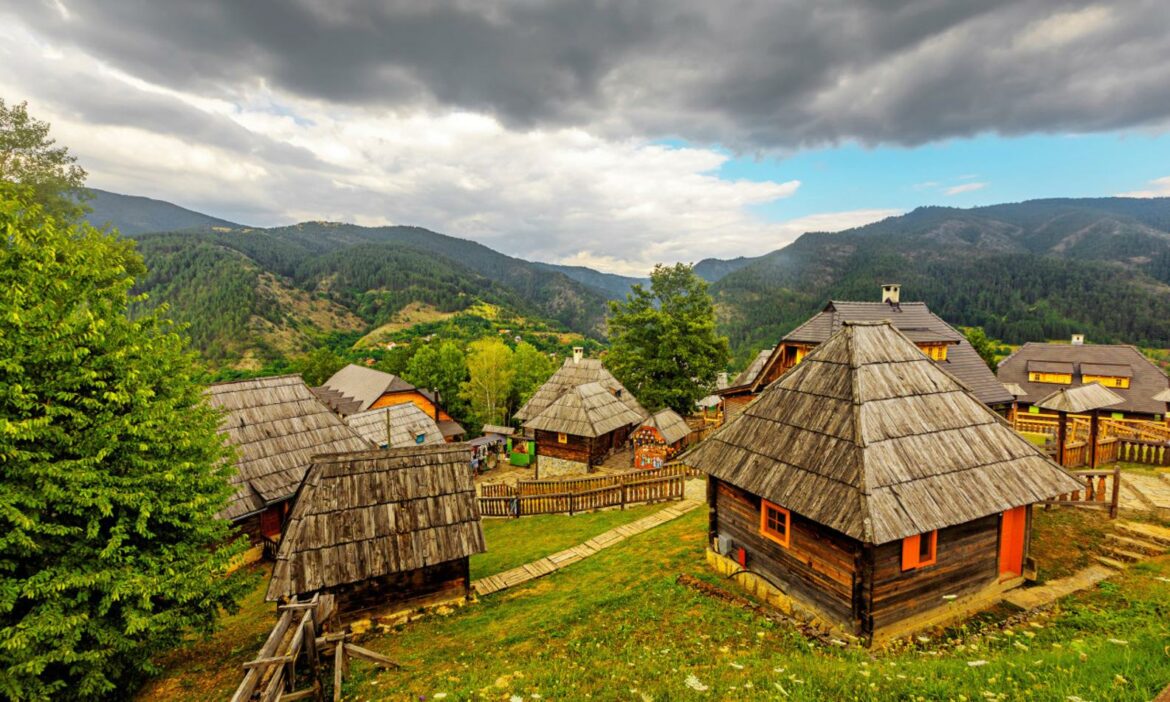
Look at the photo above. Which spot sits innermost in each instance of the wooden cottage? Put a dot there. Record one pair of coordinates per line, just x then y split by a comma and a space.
659, 438
357, 388
872, 490
276, 425
941, 342
579, 416
1041, 369
382, 532
396, 426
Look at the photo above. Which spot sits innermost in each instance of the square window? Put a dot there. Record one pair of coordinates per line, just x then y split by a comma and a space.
562, 438
919, 550
775, 523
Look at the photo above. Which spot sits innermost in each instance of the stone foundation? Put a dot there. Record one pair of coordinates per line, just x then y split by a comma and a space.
552, 467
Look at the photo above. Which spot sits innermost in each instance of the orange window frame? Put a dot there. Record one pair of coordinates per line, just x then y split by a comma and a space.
912, 551
770, 532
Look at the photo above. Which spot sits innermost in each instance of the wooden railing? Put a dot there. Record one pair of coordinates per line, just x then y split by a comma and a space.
655, 489
1078, 427
496, 490
1152, 453
1102, 490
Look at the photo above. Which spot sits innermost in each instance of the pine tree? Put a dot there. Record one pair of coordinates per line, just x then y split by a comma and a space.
111, 470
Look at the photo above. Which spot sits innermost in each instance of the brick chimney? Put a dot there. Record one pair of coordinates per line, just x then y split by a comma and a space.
892, 293
578, 353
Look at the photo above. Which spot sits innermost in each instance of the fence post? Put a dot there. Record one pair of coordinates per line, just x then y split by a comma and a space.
623, 486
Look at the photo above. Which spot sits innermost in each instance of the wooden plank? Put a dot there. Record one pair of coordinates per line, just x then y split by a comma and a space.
338, 666
261, 662
369, 656
252, 676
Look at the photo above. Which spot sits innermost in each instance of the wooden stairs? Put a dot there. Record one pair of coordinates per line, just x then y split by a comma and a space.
1130, 542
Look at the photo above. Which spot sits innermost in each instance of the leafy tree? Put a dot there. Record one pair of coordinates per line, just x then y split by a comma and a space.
28, 157
664, 347
317, 366
440, 367
490, 375
111, 470
987, 349
531, 368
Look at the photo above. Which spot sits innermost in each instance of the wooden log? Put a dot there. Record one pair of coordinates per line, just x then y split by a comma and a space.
369, 656
271, 660
338, 666
252, 676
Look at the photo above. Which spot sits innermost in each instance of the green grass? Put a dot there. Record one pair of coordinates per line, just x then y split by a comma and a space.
618, 626
1036, 438
514, 542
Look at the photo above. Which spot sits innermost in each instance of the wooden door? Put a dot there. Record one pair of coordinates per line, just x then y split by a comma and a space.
1011, 542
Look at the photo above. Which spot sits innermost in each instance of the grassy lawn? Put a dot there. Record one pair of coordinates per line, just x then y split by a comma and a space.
1065, 540
618, 626
1035, 437
514, 542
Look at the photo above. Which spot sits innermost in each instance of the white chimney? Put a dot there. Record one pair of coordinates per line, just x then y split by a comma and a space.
578, 353
1078, 339
892, 293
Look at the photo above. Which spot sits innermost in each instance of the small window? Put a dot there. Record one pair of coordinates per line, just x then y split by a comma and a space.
562, 438
775, 523
919, 550
420, 438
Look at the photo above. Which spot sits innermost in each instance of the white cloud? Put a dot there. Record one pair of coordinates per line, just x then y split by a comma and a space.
964, 188
1063, 28
1161, 188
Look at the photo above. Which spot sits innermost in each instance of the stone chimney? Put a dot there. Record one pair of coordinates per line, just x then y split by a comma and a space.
578, 353
892, 293
721, 380
1078, 339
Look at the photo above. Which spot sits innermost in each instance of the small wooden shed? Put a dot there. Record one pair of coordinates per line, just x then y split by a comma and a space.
579, 429
871, 489
660, 437
382, 531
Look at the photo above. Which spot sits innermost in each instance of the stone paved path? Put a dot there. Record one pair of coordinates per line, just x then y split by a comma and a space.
1032, 597
549, 564
1145, 493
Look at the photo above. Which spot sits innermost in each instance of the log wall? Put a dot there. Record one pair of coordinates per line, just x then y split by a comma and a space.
412, 588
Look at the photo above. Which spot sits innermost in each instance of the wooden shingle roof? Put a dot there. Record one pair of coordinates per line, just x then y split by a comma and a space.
369, 514
276, 425
570, 375
396, 426
355, 388
1083, 398
869, 437
1145, 379
669, 424
585, 410
749, 374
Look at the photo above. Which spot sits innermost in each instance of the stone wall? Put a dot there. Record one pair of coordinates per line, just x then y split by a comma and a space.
552, 467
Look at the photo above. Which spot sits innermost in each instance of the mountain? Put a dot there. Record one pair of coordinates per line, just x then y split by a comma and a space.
1032, 270
132, 215
614, 286
713, 270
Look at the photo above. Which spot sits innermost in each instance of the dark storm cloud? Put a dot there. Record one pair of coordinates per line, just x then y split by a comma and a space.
750, 75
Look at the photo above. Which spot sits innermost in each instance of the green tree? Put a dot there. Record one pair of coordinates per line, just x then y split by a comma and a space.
28, 157
111, 470
318, 365
664, 347
490, 375
531, 367
986, 347
440, 367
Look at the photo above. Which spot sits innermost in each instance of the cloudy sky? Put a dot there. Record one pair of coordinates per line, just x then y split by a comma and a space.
611, 134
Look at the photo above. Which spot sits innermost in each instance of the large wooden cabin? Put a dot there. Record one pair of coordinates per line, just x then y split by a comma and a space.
1041, 369
659, 438
276, 425
578, 417
381, 533
941, 342
357, 388
872, 490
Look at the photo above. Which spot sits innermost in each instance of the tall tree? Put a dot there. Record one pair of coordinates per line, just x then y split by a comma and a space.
318, 365
664, 347
987, 349
30, 158
111, 470
489, 382
531, 367
440, 367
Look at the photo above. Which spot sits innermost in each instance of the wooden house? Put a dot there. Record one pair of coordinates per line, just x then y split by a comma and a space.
382, 532
276, 425
1041, 369
579, 416
357, 388
396, 426
659, 438
872, 490
944, 344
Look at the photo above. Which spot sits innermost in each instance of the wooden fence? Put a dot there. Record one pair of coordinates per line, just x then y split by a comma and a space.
579, 495
1102, 491
1153, 453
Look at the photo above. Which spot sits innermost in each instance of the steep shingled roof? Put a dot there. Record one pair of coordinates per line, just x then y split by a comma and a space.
276, 425
585, 410
369, 514
871, 438
355, 388
1146, 379
669, 425
754, 368
406, 422
570, 375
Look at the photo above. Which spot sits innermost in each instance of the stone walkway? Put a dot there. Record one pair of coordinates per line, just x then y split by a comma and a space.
1145, 493
1032, 597
550, 564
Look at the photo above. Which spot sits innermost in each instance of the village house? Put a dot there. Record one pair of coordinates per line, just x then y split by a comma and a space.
945, 345
1039, 369
659, 438
276, 425
870, 489
396, 426
581, 415
357, 388
382, 533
